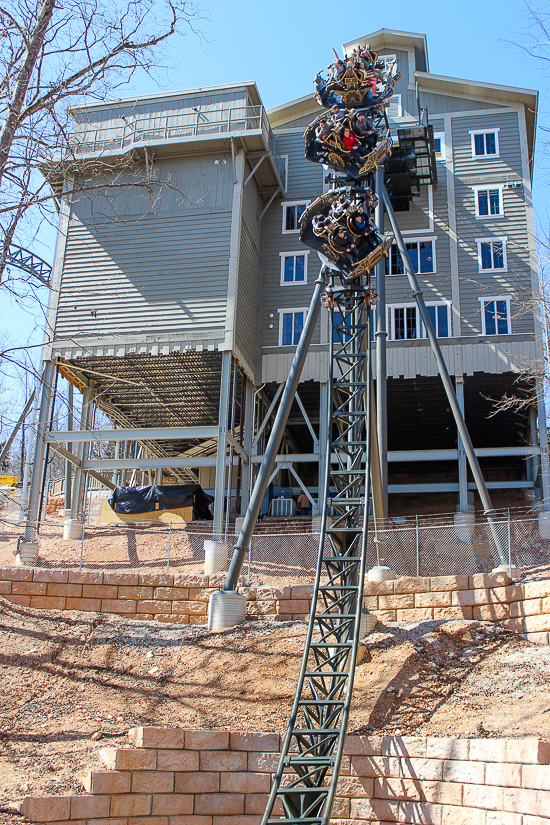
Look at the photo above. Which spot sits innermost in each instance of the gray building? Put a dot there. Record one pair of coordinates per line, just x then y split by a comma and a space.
180, 286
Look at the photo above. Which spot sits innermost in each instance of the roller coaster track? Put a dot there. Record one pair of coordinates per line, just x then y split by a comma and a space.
304, 785
30, 263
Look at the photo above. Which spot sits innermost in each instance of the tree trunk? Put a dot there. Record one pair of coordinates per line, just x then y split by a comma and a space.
36, 40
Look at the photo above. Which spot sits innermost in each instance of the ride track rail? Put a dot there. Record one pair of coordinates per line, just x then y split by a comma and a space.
305, 782
30, 263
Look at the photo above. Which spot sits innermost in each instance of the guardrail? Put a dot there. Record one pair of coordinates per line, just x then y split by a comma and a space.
185, 125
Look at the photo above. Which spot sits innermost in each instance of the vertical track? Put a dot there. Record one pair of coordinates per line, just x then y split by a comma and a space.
304, 785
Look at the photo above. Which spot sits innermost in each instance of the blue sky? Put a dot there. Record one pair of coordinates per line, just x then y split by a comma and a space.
281, 45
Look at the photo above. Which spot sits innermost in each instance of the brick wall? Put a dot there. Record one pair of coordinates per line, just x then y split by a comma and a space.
177, 777
523, 608
166, 598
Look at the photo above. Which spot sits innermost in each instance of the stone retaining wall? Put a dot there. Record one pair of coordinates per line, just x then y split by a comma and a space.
199, 777
163, 597
523, 608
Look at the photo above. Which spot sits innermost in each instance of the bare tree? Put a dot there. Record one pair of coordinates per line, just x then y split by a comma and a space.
53, 55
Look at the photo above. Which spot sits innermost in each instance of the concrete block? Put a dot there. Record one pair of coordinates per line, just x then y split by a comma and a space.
241, 819
536, 777
536, 624
448, 583
120, 578
29, 588
375, 766
454, 815
17, 574
356, 786
488, 750
457, 770
463, 597
502, 818
48, 602
448, 749
536, 638
126, 607
156, 579
531, 751
177, 760
525, 801
153, 606
172, 804
254, 803
227, 804
98, 591
441, 793
254, 741
132, 804
190, 820
301, 591
378, 588
391, 602
435, 599
5, 587
341, 807
503, 774
43, 575
422, 768
89, 605
152, 781
85, 577
223, 760
107, 782
486, 580
453, 613
169, 593
403, 746
199, 782
420, 812
386, 615
363, 745
263, 761
482, 796
24, 601
492, 612
128, 759
156, 737
46, 809
244, 782
411, 584
419, 614
88, 807
393, 788
206, 740
536, 589
527, 607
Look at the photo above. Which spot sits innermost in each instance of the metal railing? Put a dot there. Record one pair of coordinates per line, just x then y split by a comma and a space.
149, 129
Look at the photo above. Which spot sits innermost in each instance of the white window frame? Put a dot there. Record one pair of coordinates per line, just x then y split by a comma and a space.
387, 58
285, 205
419, 324
442, 154
396, 99
474, 132
291, 254
488, 299
407, 240
494, 239
487, 188
289, 311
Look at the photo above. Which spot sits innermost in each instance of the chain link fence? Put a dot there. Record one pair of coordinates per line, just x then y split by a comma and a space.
434, 546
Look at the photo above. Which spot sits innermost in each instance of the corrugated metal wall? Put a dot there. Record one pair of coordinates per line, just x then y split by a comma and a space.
246, 309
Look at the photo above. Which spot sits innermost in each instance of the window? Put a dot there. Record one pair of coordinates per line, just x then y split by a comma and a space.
485, 143
395, 109
404, 321
291, 324
439, 145
422, 255
491, 254
294, 267
292, 212
488, 201
495, 315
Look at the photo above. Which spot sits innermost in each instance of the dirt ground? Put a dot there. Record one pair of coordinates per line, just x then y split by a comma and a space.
67, 676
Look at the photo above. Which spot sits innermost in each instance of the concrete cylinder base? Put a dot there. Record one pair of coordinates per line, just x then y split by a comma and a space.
465, 526
379, 574
65, 513
544, 524
72, 529
28, 554
215, 556
226, 608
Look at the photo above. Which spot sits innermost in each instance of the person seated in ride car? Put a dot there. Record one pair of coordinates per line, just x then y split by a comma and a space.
343, 243
369, 237
363, 128
352, 145
338, 115
322, 131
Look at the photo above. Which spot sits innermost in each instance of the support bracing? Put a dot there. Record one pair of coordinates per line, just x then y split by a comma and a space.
314, 742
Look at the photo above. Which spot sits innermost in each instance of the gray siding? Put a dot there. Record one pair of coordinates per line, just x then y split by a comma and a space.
516, 281
154, 276
246, 310
441, 104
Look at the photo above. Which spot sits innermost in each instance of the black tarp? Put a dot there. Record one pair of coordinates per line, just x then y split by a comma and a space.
169, 497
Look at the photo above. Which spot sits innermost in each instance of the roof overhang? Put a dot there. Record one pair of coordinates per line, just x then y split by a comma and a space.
279, 115
390, 39
249, 85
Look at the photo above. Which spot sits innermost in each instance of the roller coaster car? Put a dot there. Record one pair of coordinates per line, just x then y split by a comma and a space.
351, 83
320, 238
331, 152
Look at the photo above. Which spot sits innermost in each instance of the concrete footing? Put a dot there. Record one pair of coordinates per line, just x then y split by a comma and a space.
72, 529
226, 608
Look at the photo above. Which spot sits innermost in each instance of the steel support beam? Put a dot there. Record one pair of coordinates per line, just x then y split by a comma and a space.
80, 451
5, 450
543, 441
247, 444
445, 377
149, 433
221, 463
381, 336
272, 448
39, 448
462, 463
75, 462
68, 465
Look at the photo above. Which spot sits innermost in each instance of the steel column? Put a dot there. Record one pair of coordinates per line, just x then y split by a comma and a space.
219, 484
266, 468
543, 441
462, 464
80, 451
445, 377
39, 448
381, 338
323, 454
6, 448
247, 443
68, 465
